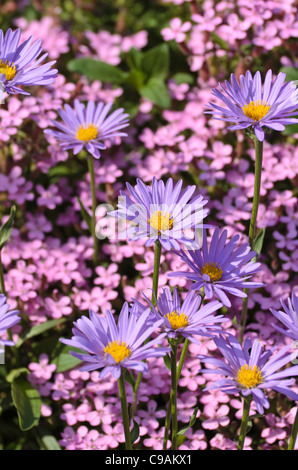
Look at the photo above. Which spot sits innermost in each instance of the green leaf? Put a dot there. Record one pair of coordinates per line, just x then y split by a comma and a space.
190, 424
64, 360
50, 443
135, 432
155, 62
134, 59
156, 91
167, 361
221, 42
291, 129
136, 78
97, 70
13, 374
291, 73
85, 214
258, 241
180, 440
39, 329
182, 77
27, 402
5, 230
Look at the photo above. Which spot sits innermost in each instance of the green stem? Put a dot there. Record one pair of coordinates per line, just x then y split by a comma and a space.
257, 190
253, 222
157, 256
168, 415
94, 205
245, 416
294, 433
125, 416
174, 395
2, 284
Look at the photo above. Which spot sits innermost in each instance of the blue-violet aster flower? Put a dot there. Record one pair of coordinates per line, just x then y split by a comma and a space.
7, 319
186, 317
249, 104
221, 267
288, 317
20, 64
108, 345
162, 212
88, 126
250, 369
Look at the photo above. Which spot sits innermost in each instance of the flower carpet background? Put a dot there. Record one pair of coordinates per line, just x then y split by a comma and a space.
159, 61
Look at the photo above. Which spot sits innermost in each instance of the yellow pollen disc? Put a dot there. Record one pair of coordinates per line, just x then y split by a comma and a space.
118, 350
249, 376
256, 110
87, 133
161, 221
177, 320
213, 270
7, 69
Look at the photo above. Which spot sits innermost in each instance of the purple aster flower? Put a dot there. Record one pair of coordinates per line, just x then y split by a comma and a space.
222, 267
162, 212
289, 317
249, 104
20, 65
7, 319
88, 126
250, 369
186, 317
110, 346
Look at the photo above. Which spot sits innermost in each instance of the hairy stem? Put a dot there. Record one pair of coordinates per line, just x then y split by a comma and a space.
294, 433
125, 416
94, 205
245, 416
253, 223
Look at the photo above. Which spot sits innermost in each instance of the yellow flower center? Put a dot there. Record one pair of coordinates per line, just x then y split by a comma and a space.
87, 133
161, 221
177, 320
249, 376
213, 270
118, 350
7, 69
256, 110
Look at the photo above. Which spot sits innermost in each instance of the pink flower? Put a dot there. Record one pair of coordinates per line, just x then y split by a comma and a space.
42, 370
176, 30
48, 197
74, 415
150, 417
275, 430
216, 417
37, 226
58, 308
101, 414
